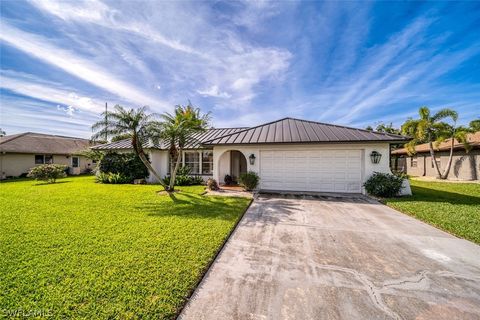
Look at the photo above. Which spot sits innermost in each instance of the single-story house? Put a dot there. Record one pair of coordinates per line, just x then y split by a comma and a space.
465, 165
20, 152
288, 154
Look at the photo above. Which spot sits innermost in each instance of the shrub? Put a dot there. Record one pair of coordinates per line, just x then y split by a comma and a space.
128, 165
48, 172
212, 184
249, 180
383, 185
183, 178
228, 179
113, 178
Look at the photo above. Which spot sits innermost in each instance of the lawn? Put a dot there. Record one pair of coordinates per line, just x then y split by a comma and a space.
77, 249
453, 207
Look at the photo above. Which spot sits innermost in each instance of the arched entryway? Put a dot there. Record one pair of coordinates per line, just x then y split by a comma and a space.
232, 163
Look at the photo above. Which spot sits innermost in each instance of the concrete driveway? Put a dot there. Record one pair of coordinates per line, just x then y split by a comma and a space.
300, 257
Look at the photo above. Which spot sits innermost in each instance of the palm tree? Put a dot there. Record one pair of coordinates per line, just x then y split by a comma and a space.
475, 125
178, 129
435, 131
136, 124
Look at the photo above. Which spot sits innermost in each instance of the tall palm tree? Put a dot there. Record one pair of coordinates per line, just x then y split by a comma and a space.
432, 129
136, 124
178, 129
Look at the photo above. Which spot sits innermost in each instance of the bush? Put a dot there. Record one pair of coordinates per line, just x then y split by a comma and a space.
212, 184
113, 178
48, 172
128, 165
249, 180
183, 178
383, 185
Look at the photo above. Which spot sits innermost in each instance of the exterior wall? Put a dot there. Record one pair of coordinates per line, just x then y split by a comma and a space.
15, 164
160, 160
221, 157
465, 166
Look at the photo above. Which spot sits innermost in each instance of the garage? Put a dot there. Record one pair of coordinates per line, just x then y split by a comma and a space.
311, 170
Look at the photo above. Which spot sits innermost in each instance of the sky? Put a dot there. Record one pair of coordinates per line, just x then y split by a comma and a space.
348, 63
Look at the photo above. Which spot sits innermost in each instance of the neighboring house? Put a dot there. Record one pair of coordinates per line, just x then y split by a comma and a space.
288, 154
465, 165
20, 152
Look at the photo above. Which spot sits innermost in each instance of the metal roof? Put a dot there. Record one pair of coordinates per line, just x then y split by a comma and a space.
194, 142
31, 142
289, 130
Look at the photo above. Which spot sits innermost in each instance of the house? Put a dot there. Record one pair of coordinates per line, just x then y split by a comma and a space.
20, 152
465, 165
288, 154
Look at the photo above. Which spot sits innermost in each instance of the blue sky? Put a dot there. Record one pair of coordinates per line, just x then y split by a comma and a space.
348, 63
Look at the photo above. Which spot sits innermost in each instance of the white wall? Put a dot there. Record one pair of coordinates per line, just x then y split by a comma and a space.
220, 157
159, 160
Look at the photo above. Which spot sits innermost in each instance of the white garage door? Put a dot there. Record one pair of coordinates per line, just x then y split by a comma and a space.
312, 170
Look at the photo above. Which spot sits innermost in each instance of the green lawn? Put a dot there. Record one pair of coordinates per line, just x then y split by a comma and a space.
453, 207
77, 249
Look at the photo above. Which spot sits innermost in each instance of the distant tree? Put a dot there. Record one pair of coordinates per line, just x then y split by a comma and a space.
2, 133
120, 137
433, 130
388, 129
369, 128
139, 125
475, 125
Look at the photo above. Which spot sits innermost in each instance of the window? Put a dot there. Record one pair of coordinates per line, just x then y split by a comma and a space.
192, 160
75, 162
39, 159
48, 159
207, 162
413, 162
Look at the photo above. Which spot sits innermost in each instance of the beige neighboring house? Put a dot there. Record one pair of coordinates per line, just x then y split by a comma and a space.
465, 165
20, 152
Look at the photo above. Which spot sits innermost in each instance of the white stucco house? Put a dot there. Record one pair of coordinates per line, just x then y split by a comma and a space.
288, 154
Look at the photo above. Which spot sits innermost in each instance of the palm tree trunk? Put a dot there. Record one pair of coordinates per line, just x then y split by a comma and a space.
449, 163
432, 155
173, 175
141, 154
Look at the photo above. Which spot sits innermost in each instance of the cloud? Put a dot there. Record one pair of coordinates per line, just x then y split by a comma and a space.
214, 91
82, 68
33, 87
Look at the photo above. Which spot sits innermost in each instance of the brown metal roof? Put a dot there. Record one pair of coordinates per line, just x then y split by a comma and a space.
289, 130
30, 142
473, 140
194, 142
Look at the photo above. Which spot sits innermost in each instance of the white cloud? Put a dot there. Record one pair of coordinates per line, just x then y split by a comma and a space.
47, 91
40, 48
214, 91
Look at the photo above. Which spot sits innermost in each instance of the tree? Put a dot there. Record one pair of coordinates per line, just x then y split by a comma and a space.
136, 124
2, 133
388, 129
435, 131
369, 128
120, 137
475, 125
177, 129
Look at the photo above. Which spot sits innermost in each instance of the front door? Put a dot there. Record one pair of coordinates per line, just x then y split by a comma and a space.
238, 164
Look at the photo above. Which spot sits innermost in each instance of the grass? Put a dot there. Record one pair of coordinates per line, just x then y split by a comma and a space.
453, 207
77, 249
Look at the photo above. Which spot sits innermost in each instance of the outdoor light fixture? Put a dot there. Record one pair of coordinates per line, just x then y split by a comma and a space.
375, 156
252, 159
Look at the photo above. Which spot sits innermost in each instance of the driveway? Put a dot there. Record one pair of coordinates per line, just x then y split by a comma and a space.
304, 257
